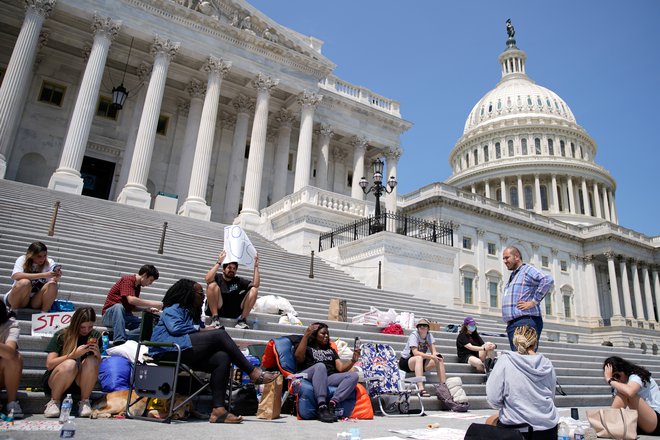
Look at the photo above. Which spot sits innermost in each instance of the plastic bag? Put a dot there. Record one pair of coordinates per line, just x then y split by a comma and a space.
290, 319
386, 318
274, 305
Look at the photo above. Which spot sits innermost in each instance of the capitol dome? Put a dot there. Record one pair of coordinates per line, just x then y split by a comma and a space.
521, 145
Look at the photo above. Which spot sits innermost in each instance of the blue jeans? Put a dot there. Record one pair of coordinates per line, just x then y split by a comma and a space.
531, 321
119, 320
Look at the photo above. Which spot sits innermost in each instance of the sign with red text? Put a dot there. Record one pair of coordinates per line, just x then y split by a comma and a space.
46, 324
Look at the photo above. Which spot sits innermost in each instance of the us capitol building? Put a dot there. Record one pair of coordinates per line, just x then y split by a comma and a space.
210, 109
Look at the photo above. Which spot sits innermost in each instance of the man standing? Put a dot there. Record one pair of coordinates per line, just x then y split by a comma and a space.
525, 289
123, 298
229, 296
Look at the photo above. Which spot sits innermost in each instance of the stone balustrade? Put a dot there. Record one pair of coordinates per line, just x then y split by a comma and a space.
360, 94
320, 198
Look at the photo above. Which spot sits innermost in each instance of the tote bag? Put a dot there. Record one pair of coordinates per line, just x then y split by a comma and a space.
617, 423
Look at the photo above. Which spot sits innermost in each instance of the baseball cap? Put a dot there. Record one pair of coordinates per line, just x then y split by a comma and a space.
469, 320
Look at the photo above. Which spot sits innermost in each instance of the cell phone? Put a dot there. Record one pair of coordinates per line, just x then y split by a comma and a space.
57, 268
92, 341
356, 344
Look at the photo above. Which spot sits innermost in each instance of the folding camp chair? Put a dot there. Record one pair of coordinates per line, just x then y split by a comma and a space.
158, 379
381, 374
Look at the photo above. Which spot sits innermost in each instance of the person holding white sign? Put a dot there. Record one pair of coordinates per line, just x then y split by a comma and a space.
11, 361
229, 296
35, 279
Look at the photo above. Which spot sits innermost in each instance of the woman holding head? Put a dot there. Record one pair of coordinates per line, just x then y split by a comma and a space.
420, 355
634, 388
522, 387
11, 361
72, 364
471, 349
35, 279
323, 367
208, 349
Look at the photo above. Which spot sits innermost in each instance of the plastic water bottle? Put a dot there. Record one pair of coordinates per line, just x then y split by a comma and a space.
578, 434
105, 344
69, 428
65, 410
563, 433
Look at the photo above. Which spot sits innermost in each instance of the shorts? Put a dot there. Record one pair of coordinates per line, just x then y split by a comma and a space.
464, 359
73, 389
403, 364
231, 306
655, 433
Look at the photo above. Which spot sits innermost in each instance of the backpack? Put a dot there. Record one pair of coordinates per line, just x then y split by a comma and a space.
447, 403
244, 400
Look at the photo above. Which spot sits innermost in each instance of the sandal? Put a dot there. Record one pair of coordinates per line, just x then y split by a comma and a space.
266, 377
424, 393
227, 417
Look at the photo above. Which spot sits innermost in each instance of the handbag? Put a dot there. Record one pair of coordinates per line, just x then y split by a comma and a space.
61, 305
271, 400
617, 423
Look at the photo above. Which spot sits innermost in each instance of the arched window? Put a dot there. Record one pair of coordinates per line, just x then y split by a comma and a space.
510, 148
551, 147
573, 150
467, 160
467, 277
544, 198
567, 301
498, 150
537, 146
580, 151
581, 199
562, 148
529, 100
476, 157
523, 145
529, 197
485, 153
513, 196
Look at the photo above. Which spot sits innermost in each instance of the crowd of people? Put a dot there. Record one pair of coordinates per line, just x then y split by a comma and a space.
521, 382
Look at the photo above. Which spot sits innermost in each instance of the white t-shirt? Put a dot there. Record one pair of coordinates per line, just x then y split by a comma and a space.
20, 261
649, 392
415, 340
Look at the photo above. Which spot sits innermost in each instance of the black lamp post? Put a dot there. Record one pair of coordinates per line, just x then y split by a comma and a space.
378, 188
119, 93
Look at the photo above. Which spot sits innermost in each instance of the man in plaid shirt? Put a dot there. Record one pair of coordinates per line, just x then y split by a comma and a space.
525, 289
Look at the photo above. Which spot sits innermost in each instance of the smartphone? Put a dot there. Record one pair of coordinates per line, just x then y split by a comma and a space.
92, 341
356, 344
57, 268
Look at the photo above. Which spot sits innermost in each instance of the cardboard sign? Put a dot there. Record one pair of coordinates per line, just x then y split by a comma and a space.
46, 324
338, 310
238, 247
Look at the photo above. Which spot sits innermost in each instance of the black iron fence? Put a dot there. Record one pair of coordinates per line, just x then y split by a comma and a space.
436, 232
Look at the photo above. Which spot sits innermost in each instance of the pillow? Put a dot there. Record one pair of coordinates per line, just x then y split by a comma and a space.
128, 350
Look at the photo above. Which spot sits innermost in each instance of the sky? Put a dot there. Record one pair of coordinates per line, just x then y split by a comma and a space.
438, 58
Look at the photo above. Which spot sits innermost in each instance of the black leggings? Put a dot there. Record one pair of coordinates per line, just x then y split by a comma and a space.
213, 351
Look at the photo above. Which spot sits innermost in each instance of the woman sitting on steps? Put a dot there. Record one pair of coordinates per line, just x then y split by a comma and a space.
420, 355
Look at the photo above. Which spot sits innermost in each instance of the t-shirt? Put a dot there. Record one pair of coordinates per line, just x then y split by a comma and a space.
649, 392
9, 331
235, 286
56, 343
328, 356
415, 340
46, 267
467, 338
122, 289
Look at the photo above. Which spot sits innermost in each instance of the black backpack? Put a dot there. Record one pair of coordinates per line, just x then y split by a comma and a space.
244, 401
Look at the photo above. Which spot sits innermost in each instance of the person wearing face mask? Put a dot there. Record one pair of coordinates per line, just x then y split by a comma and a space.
471, 349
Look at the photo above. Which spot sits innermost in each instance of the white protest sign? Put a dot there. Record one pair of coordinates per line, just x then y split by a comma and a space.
238, 247
46, 324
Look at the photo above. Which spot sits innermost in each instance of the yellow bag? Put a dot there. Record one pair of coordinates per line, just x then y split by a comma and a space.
271, 400
617, 423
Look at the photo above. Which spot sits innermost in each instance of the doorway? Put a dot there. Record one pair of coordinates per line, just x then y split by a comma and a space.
97, 175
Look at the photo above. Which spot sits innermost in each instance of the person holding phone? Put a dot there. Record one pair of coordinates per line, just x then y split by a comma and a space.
320, 361
72, 364
35, 279
420, 355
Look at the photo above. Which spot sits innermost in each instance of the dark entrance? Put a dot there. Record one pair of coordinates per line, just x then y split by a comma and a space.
97, 177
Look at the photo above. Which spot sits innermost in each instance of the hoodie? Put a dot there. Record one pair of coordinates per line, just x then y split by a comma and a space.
522, 387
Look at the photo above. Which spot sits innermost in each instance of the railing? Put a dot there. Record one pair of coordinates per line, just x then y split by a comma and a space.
360, 94
436, 232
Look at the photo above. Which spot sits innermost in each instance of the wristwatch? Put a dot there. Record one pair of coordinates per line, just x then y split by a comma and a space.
610, 380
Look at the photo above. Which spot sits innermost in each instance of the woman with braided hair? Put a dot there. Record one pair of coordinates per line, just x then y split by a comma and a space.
522, 387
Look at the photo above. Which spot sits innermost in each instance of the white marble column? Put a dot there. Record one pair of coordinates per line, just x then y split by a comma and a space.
308, 102
612, 207
521, 193
648, 294
67, 176
473, 188
598, 214
325, 135
281, 172
606, 204
554, 205
592, 302
487, 189
563, 186
339, 156
17, 76
625, 289
195, 204
537, 194
243, 106
656, 287
571, 196
135, 192
585, 197
255, 165
392, 155
503, 190
196, 89
359, 144
614, 289
637, 289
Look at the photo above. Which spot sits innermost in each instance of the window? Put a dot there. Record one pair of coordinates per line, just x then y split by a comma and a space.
467, 243
105, 108
581, 201
498, 150
513, 196
562, 148
468, 280
163, 122
545, 262
591, 204
537, 146
529, 197
544, 198
529, 100
510, 148
349, 179
523, 144
492, 249
476, 157
492, 290
467, 159
548, 303
560, 203
580, 151
52, 93
485, 153
563, 265
572, 149
567, 305
551, 147
498, 195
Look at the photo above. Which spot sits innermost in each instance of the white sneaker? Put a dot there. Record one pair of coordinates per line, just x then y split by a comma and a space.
52, 409
14, 406
84, 408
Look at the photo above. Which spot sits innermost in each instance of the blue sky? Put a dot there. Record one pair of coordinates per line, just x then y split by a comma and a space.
438, 58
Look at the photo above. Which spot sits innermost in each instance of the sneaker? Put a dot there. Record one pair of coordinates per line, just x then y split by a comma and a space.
325, 415
84, 408
52, 409
215, 321
242, 323
14, 406
332, 408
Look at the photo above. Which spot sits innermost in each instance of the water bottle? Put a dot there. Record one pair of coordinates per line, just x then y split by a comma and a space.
578, 434
65, 410
563, 433
69, 428
105, 343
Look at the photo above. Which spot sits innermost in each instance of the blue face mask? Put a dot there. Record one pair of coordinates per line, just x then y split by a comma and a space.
472, 328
